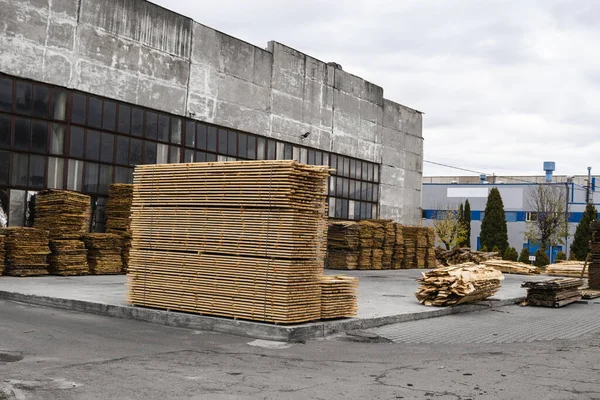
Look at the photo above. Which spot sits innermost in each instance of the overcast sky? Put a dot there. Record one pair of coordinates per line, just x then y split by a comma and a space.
504, 85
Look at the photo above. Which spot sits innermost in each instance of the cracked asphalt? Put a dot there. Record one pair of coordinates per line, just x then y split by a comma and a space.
52, 354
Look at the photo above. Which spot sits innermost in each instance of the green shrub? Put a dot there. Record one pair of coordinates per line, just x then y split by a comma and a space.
496, 250
561, 256
541, 259
510, 254
524, 257
484, 249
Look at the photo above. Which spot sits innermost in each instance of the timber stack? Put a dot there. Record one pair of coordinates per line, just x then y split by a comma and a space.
339, 296
242, 239
26, 251
513, 267
398, 252
567, 268
556, 292
458, 284
64, 214
2, 254
103, 253
409, 234
118, 211
594, 267
463, 255
68, 257
431, 259
343, 239
389, 243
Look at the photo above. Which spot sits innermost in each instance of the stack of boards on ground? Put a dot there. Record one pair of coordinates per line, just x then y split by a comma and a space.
567, 268
556, 292
379, 244
339, 296
458, 284
69, 257
103, 253
513, 267
463, 255
118, 211
242, 239
26, 251
594, 267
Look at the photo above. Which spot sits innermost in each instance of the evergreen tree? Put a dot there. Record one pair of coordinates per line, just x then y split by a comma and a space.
524, 257
484, 249
506, 255
510, 254
583, 233
461, 222
541, 258
494, 232
496, 250
467, 221
560, 256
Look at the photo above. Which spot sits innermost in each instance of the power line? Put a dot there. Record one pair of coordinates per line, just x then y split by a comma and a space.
454, 167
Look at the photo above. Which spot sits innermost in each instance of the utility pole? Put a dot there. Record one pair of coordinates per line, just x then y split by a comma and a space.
589, 184
567, 182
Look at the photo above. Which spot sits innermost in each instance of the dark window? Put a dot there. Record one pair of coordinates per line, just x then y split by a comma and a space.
124, 119
151, 125
352, 168
201, 136
176, 130
137, 122
346, 166
135, 152
149, 153
260, 148
174, 154
318, 158
19, 169
333, 163
24, 97
210, 157
5, 131
376, 193
332, 185
92, 145
190, 134
78, 109
41, 101
76, 142
22, 134
109, 115
123, 175
4, 164
122, 150
363, 169
39, 136
352, 189
188, 156
376, 173
252, 147
95, 112
338, 208
37, 171
163, 128
232, 143
6, 92
222, 141
271, 150
369, 192
105, 179
345, 206
74, 175
211, 135
90, 177
243, 145
200, 156
108, 147
370, 172
59, 104
311, 157
288, 150
339, 188
346, 188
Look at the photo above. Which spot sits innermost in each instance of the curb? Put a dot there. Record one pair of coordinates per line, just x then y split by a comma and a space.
257, 330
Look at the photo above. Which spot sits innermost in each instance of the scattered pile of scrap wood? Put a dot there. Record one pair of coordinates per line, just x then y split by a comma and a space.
2, 254
118, 212
103, 253
463, 255
339, 296
513, 267
243, 239
63, 213
458, 284
567, 268
594, 266
556, 292
379, 244
69, 257
26, 251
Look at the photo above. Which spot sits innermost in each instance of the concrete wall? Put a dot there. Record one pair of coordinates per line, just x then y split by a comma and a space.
140, 53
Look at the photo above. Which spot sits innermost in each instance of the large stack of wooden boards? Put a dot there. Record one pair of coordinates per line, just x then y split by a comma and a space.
65, 215
242, 239
2, 254
458, 284
512, 267
26, 251
379, 244
339, 296
118, 211
103, 253
556, 292
567, 268
594, 267
463, 255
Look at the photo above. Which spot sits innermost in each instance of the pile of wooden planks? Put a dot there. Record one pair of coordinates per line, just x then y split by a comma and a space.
463, 255
118, 212
103, 253
343, 241
556, 292
26, 251
398, 252
410, 236
2, 254
64, 214
512, 267
68, 257
594, 266
243, 239
339, 296
567, 268
458, 284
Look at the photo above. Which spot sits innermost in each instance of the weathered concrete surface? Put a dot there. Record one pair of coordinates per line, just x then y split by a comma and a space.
385, 297
156, 58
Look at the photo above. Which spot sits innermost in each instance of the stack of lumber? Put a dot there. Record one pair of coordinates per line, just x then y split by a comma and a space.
410, 236
118, 212
2, 254
371, 241
556, 292
69, 257
512, 267
431, 260
243, 239
463, 255
594, 267
422, 247
26, 251
567, 268
389, 242
103, 253
64, 214
343, 240
339, 296
398, 252
458, 284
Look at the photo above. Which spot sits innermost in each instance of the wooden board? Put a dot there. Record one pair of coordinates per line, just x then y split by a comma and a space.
64, 214
26, 251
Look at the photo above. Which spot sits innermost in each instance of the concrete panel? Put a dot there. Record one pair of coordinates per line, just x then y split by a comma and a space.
24, 22
21, 57
316, 70
371, 112
414, 162
58, 68
93, 77
108, 50
390, 212
66, 9
392, 116
244, 93
286, 106
411, 121
238, 57
392, 176
288, 70
164, 66
201, 107
61, 36
413, 144
204, 79
206, 48
263, 65
346, 103
242, 118
161, 96
392, 156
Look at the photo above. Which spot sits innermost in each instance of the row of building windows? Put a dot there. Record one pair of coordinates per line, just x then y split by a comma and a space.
510, 216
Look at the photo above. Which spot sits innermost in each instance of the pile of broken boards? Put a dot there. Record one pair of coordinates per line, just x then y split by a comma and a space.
458, 284
463, 255
556, 292
379, 244
512, 267
571, 269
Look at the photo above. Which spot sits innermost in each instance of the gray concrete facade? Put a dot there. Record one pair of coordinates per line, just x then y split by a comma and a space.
137, 52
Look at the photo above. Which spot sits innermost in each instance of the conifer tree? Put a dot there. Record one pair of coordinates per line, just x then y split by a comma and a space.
467, 222
494, 232
524, 257
583, 233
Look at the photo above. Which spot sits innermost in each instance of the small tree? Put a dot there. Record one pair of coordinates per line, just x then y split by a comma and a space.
524, 257
494, 232
467, 222
496, 250
541, 258
461, 220
561, 256
583, 234
510, 254
484, 249
549, 228
448, 228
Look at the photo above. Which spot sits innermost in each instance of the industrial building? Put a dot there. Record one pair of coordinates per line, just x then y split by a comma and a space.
449, 193
91, 88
